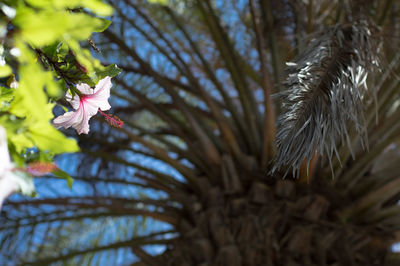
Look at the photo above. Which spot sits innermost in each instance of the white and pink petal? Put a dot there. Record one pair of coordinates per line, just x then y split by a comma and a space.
86, 105
104, 85
99, 103
66, 120
74, 101
84, 88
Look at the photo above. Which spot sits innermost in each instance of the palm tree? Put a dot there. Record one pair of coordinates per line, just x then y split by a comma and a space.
256, 133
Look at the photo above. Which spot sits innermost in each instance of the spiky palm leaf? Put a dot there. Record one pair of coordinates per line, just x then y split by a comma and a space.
199, 140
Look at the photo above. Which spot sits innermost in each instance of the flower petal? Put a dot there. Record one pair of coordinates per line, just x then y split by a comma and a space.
78, 119
74, 101
85, 105
101, 94
89, 108
13, 182
84, 113
4, 155
84, 88
7, 188
103, 85
99, 103
82, 127
66, 120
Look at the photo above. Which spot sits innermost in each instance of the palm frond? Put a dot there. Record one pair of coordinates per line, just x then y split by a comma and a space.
326, 91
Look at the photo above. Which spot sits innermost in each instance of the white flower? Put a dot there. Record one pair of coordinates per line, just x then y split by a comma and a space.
85, 105
11, 180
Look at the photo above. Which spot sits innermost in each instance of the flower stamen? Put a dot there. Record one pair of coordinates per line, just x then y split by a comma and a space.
112, 120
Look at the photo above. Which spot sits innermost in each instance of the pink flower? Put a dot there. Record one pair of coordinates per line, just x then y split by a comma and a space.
86, 105
11, 181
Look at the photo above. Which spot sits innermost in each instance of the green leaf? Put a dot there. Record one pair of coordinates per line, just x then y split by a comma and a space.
84, 57
111, 71
51, 26
54, 88
17, 157
46, 137
104, 26
96, 6
62, 50
12, 123
5, 71
64, 175
21, 142
16, 133
100, 73
30, 99
6, 95
161, 2
46, 27
51, 50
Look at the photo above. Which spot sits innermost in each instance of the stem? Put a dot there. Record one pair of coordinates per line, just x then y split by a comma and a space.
58, 70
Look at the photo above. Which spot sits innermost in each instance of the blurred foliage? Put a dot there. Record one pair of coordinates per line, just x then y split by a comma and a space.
41, 56
159, 1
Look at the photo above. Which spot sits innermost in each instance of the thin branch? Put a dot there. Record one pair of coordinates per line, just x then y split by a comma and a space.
212, 153
232, 63
138, 241
269, 129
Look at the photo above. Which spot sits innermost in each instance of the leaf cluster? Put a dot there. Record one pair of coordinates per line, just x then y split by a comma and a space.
42, 54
